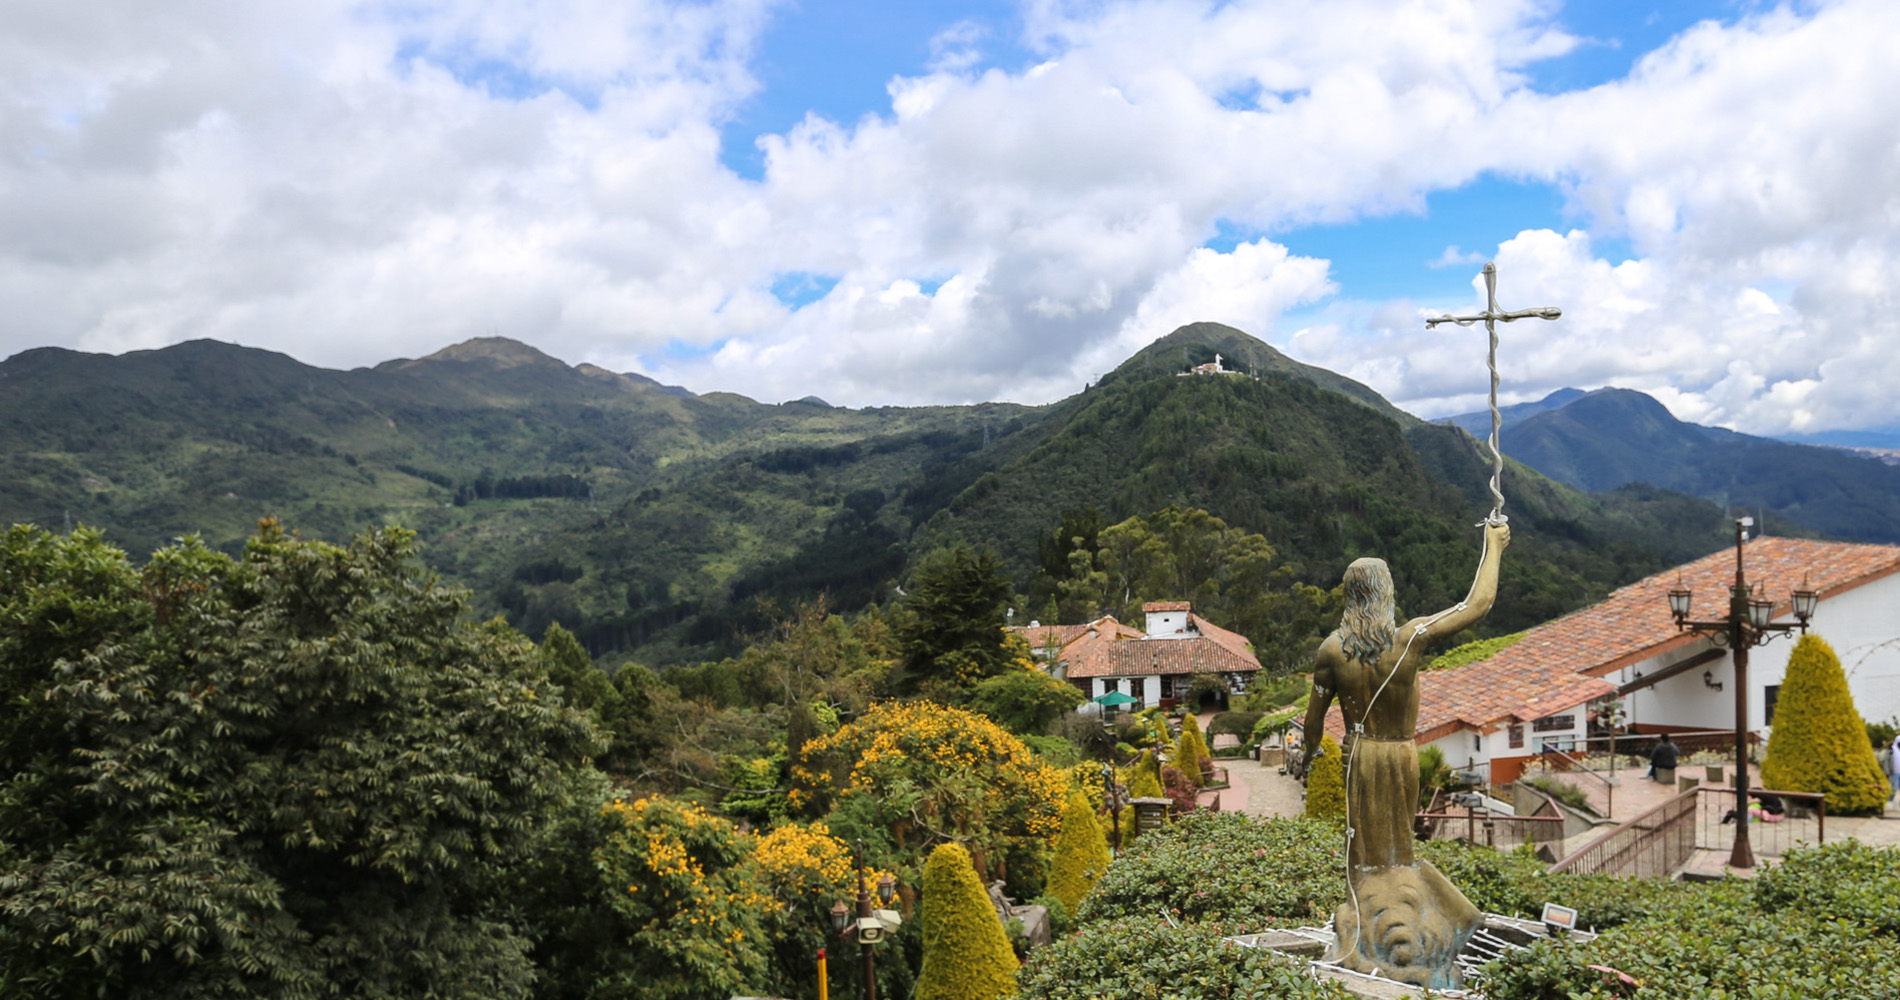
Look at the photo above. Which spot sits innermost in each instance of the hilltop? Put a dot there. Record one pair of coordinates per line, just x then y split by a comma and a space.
665, 525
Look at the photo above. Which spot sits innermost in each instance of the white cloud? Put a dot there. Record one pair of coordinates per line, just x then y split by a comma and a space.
351, 182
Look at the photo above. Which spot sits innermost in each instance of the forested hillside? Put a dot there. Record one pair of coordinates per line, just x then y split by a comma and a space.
1610, 438
666, 527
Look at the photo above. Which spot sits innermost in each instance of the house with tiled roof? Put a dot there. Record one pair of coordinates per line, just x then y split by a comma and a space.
1154, 667
1497, 713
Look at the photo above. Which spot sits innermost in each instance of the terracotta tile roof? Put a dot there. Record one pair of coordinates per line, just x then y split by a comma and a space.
1167, 606
1039, 636
1146, 657
1560, 664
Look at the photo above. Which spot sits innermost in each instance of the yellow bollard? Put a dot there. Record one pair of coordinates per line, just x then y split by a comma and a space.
824, 985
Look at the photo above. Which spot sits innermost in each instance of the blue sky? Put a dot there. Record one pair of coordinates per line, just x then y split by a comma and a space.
957, 201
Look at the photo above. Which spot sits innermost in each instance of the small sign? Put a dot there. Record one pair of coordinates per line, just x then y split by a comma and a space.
1560, 917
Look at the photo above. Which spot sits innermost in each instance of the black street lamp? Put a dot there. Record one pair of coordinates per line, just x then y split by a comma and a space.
1108, 797
868, 928
1749, 623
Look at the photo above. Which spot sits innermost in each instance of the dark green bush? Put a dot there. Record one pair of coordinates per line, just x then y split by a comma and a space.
1226, 867
1148, 957
1842, 879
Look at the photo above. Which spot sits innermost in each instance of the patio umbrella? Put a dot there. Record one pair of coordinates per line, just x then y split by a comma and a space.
1115, 699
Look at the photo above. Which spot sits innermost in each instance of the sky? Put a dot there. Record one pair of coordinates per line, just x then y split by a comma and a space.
946, 201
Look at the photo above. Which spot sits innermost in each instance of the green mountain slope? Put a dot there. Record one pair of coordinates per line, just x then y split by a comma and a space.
1612, 437
666, 526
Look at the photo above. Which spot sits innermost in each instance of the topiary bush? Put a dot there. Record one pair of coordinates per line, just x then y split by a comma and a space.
1229, 867
1081, 853
1819, 743
1191, 754
966, 954
1146, 956
1326, 784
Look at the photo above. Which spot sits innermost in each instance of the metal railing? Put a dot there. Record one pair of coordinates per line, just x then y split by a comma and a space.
1660, 841
1599, 790
1655, 843
1489, 829
1803, 820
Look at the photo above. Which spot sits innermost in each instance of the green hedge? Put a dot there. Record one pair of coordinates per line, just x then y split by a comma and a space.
1244, 873
1148, 957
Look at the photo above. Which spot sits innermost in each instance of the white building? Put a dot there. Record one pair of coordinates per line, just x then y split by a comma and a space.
1153, 667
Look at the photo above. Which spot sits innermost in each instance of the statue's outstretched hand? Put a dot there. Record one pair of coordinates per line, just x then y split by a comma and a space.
1497, 536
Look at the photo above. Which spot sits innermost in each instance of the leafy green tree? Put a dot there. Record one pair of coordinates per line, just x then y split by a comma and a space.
966, 954
570, 668
952, 634
1081, 852
295, 774
1326, 784
1024, 700
1819, 743
691, 914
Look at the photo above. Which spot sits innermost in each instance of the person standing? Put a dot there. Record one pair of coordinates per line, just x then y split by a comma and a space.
1890, 762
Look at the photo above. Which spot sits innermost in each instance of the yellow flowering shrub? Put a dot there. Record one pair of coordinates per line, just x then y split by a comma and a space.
936, 773
805, 863
690, 907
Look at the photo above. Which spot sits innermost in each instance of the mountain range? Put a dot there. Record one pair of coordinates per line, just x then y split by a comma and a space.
1610, 438
667, 526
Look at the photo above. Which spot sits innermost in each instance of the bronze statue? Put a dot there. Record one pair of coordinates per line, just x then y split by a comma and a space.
1402, 919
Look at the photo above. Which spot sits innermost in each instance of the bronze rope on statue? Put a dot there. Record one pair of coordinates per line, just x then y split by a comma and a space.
1491, 315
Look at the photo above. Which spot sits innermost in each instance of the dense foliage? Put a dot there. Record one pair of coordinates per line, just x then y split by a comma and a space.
966, 955
1082, 855
1326, 782
1191, 755
1145, 956
1819, 743
294, 774
921, 774
1474, 651
1226, 867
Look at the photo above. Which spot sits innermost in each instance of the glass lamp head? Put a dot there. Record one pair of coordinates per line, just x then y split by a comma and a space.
1761, 612
1679, 600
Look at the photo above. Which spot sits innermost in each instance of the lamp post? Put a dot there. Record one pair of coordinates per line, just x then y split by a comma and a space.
1749, 623
1108, 797
868, 928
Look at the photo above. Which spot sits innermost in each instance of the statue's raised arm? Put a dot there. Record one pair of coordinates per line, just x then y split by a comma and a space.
1423, 632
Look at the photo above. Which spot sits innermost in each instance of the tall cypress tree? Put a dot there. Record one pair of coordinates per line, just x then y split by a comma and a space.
1326, 784
1819, 743
1081, 852
966, 955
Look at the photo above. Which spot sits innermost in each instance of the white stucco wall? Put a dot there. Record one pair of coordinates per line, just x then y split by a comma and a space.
1863, 626
1166, 624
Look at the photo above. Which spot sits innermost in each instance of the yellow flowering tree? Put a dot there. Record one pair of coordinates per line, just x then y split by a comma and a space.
690, 906
1191, 755
930, 774
807, 869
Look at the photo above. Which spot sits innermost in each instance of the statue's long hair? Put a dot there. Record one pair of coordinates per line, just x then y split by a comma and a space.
1366, 629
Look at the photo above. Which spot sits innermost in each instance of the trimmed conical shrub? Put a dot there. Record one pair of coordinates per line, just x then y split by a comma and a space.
1146, 783
1326, 784
966, 955
1081, 853
1819, 743
1191, 755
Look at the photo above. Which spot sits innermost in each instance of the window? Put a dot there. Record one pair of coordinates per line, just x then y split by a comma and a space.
1477, 742
1167, 686
1517, 736
1555, 723
1769, 695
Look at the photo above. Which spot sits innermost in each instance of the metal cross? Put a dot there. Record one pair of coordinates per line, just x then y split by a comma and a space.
1491, 315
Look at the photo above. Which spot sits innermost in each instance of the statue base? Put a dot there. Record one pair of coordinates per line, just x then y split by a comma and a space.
1407, 924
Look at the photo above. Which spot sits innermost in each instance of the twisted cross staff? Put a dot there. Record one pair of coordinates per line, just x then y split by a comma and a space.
1491, 316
